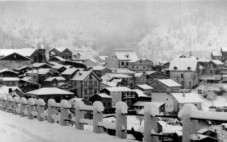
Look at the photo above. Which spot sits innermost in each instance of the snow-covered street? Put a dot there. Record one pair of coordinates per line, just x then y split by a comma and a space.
21, 129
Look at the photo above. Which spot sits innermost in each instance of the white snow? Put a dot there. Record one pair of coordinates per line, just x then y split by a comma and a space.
41, 102
51, 102
49, 91
65, 104
169, 82
151, 109
17, 99
99, 106
24, 101
122, 106
31, 101
184, 98
182, 64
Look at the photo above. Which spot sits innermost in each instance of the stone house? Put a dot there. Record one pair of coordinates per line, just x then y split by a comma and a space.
185, 71
85, 84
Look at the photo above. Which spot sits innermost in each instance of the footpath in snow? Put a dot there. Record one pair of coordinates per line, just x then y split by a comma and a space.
14, 128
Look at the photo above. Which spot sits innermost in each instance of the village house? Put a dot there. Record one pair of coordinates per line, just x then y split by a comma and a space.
85, 84
180, 99
151, 76
57, 59
69, 73
9, 81
54, 81
27, 84
140, 65
120, 58
119, 94
36, 55
139, 106
14, 60
165, 86
145, 88
58, 67
105, 99
50, 93
62, 52
22, 70
212, 71
216, 55
140, 78
40, 65
101, 70
8, 73
185, 71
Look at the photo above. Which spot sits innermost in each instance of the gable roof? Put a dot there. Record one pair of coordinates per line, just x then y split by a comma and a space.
36, 65
69, 71
27, 52
169, 82
81, 75
216, 53
104, 95
59, 58
118, 89
14, 56
59, 78
145, 86
7, 70
217, 62
182, 64
126, 54
49, 91
184, 98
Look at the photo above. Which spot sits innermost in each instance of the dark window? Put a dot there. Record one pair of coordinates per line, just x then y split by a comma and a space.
122, 63
85, 91
182, 75
90, 83
85, 83
96, 83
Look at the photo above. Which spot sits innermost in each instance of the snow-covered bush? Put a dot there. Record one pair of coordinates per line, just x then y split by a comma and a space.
51, 102
41, 102
23, 100
17, 99
151, 109
65, 104
122, 107
31, 101
10, 98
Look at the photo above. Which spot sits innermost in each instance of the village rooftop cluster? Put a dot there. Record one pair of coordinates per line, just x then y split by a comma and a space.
122, 76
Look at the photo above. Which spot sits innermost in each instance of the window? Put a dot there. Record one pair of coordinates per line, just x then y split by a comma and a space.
126, 63
182, 75
96, 83
85, 91
85, 83
95, 91
90, 91
144, 67
90, 83
122, 63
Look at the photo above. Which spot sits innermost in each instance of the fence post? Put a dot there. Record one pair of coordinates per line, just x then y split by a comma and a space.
31, 108
16, 107
4, 103
189, 125
64, 112
150, 123
23, 106
79, 115
51, 111
98, 109
40, 109
121, 120
10, 103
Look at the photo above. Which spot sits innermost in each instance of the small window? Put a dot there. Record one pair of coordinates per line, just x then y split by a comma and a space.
85, 91
182, 75
85, 83
122, 63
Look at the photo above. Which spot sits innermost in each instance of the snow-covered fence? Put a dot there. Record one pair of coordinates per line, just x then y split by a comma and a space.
35, 108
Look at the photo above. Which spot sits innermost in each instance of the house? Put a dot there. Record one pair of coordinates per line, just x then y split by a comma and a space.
58, 67
119, 94
40, 65
57, 59
105, 99
165, 86
23, 69
101, 59
208, 132
145, 88
75, 64
8, 73
54, 81
165, 98
85, 84
104, 84
9, 81
90, 62
50, 93
224, 53
14, 60
180, 99
35, 55
11, 90
151, 76
139, 106
69, 73
185, 71
216, 55
27, 84
212, 71
62, 52
140, 65
101, 70
140, 78
120, 58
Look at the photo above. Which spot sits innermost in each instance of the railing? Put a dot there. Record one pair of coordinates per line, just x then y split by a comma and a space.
59, 112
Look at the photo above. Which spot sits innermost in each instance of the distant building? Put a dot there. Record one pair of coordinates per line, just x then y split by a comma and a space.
54, 81
145, 88
100, 70
140, 65
8, 73
185, 71
57, 59
85, 84
27, 84
62, 52
40, 65
165, 86
216, 55
14, 60
151, 76
140, 78
120, 58
69, 73
105, 99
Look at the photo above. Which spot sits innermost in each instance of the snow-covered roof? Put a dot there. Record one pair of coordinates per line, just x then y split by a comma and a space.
119, 89
142, 103
183, 64
129, 55
140, 93
150, 72
115, 75
217, 62
110, 84
216, 53
144, 86
169, 82
59, 78
81, 75
49, 91
184, 98
224, 49
98, 67
7, 70
69, 71
138, 74
123, 71
39, 64
59, 58
9, 78
104, 95
5, 89
60, 49
30, 80
103, 57
27, 52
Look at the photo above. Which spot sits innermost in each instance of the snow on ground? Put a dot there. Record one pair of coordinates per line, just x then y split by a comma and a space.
21, 129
